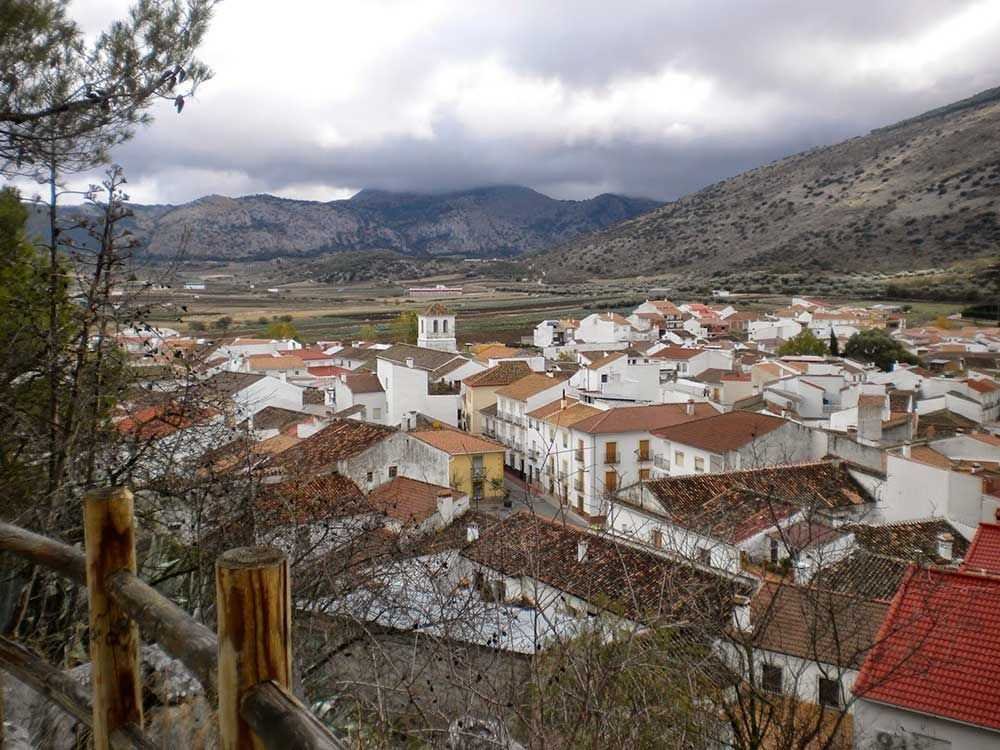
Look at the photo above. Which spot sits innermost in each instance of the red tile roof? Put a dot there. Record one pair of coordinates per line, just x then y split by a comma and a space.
363, 382
722, 432
327, 371
456, 442
640, 584
938, 651
642, 418
982, 385
318, 499
984, 554
736, 505
676, 352
501, 374
407, 500
339, 440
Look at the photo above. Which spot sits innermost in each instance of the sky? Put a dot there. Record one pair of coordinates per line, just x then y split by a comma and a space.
317, 99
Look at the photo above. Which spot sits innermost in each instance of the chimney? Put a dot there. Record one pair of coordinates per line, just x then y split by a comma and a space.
906, 450
741, 614
689, 407
802, 570
445, 506
944, 546
581, 550
409, 362
472, 532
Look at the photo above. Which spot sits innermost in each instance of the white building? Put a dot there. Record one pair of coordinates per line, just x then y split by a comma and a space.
426, 381
436, 329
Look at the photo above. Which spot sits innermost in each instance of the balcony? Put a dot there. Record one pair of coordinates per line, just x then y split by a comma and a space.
645, 456
534, 453
478, 474
490, 432
611, 458
578, 455
661, 462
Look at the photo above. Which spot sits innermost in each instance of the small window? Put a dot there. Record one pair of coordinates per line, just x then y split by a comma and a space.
775, 548
643, 475
699, 464
435, 326
392, 471
656, 537
705, 555
771, 678
604, 378
611, 481
370, 477
444, 323
643, 450
376, 413
829, 692
611, 452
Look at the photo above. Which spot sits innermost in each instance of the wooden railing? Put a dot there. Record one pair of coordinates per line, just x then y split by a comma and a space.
248, 666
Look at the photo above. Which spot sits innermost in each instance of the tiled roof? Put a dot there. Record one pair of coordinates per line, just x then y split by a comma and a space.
228, 383
938, 650
341, 439
605, 359
497, 351
722, 432
317, 499
436, 308
982, 385
640, 584
571, 416
327, 371
736, 505
363, 382
501, 374
666, 307
276, 418
863, 574
712, 375
309, 355
407, 500
676, 352
456, 442
815, 625
641, 418
984, 553
914, 541
424, 359
804, 534
283, 362
530, 385
160, 420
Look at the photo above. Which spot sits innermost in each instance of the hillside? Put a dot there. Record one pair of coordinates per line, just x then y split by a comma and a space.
923, 192
489, 221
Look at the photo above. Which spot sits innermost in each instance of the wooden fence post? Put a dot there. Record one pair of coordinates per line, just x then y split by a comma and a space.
109, 540
254, 611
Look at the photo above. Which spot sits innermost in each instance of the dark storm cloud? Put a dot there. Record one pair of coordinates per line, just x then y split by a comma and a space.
644, 98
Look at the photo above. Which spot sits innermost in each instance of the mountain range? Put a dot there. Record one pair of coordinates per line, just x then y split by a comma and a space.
924, 192
485, 222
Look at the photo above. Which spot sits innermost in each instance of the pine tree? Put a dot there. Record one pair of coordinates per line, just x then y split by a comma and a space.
834, 344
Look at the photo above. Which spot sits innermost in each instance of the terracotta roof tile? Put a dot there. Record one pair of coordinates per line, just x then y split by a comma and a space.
722, 432
456, 442
530, 385
938, 651
501, 374
341, 439
423, 359
363, 382
736, 505
640, 584
317, 499
914, 541
407, 500
984, 554
276, 418
815, 625
676, 352
642, 418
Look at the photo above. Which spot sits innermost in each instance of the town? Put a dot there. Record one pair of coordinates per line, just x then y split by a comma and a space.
830, 468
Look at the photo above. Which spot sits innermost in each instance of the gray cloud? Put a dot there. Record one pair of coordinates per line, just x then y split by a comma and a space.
571, 97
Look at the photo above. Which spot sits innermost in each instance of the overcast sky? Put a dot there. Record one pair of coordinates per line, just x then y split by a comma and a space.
319, 98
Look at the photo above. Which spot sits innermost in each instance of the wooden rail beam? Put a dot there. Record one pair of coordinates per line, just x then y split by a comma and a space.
116, 679
281, 721
254, 611
63, 690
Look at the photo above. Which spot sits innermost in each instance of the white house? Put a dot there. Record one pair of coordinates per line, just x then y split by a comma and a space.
241, 395
729, 442
604, 328
436, 329
513, 403
426, 381
360, 395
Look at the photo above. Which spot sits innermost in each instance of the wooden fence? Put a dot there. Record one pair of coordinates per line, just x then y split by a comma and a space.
248, 666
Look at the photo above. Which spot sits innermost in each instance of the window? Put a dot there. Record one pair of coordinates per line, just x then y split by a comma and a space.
643, 475
392, 471
679, 458
705, 555
656, 537
435, 326
604, 378
774, 551
699, 464
610, 481
770, 678
611, 452
444, 324
579, 450
376, 413
370, 477
829, 692
643, 450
